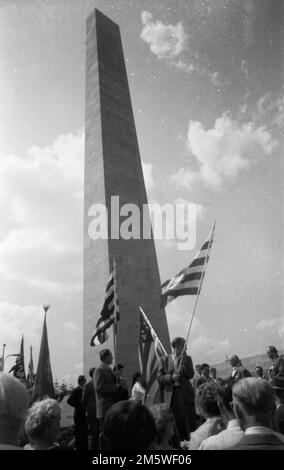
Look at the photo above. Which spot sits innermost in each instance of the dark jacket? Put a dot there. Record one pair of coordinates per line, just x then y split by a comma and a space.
89, 399
106, 389
167, 369
75, 401
259, 442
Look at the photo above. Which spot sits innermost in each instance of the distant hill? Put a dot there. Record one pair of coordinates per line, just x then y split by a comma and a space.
224, 368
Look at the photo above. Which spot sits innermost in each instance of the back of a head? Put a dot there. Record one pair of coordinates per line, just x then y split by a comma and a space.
225, 394
81, 380
178, 341
41, 417
104, 353
162, 417
91, 372
254, 395
14, 398
128, 425
272, 349
206, 400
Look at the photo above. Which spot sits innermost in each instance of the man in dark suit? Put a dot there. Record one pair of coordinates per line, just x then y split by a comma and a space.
254, 405
89, 407
174, 374
80, 420
107, 386
238, 370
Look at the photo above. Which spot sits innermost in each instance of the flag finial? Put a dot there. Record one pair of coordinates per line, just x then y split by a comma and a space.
46, 307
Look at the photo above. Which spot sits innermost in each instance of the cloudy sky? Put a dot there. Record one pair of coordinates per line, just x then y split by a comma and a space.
206, 80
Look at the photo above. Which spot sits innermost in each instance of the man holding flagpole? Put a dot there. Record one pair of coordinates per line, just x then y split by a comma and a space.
176, 369
174, 374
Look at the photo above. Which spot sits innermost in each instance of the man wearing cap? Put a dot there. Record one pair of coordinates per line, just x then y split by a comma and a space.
174, 374
238, 370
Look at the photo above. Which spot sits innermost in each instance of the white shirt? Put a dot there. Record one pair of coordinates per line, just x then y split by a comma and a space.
225, 439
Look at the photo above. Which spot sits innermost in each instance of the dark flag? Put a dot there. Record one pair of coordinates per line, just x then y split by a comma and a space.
109, 313
19, 368
43, 381
189, 280
31, 374
150, 351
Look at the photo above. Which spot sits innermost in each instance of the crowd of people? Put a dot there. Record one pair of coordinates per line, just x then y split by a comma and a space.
197, 410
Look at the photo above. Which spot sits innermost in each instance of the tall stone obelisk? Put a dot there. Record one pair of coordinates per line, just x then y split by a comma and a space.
113, 168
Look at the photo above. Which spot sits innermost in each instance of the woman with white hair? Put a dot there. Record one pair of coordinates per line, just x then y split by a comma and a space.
14, 401
43, 425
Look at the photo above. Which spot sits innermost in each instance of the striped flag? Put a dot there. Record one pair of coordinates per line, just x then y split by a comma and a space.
109, 313
19, 368
150, 351
189, 280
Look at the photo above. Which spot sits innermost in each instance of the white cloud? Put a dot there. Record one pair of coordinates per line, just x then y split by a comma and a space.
276, 323
223, 151
185, 177
184, 66
71, 326
267, 323
166, 41
41, 203
42, 195
16, 320
209, 349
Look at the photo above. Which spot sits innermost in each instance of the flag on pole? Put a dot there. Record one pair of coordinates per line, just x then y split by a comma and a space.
31, 374
43, 381
150, 351
189, 280
109, 313
19, 368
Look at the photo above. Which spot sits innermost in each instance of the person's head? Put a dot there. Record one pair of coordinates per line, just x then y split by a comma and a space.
213, 373
259, 371
235, 360
43, 422
14, 402
206, 400
178, 345
205, 369
164, 422
254, 402
128, 425
137, 377
91, 372
271, 352
225, 399
198, 368
118, 369
106, 356
278, 387
81, 380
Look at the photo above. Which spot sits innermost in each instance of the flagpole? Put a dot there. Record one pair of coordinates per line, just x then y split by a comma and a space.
114, 323
198, 292
149, 324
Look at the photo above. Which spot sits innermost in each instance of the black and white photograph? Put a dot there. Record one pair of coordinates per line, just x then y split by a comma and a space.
141, 234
